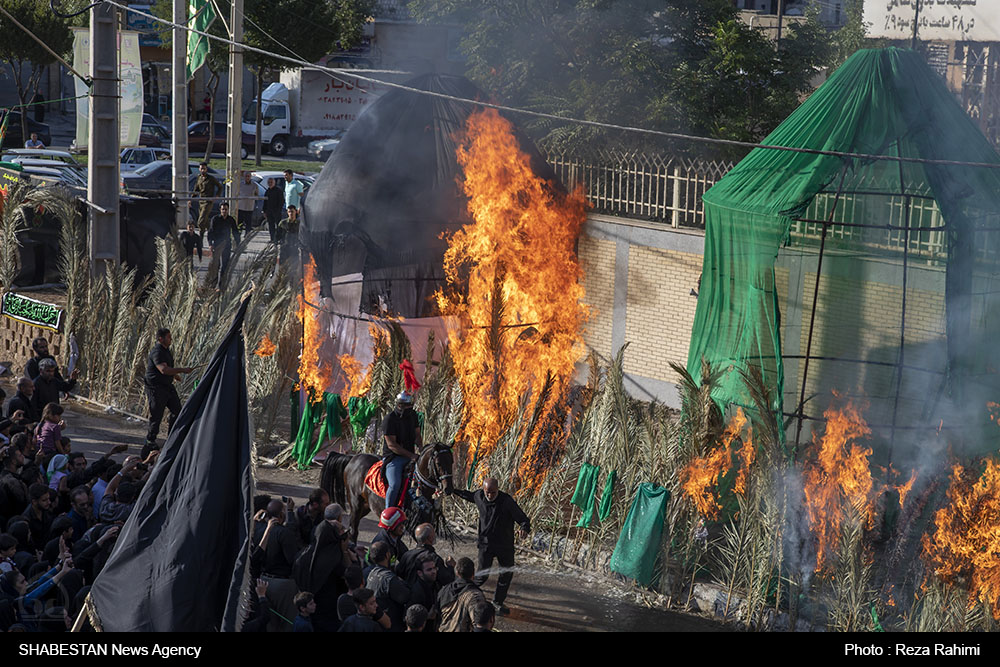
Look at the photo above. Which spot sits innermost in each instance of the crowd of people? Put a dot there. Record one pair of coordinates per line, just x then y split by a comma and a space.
281, 208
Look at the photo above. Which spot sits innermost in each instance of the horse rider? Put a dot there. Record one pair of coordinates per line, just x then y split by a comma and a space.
402, 440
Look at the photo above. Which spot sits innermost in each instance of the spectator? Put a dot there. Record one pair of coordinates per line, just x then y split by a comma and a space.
34, 141
305, 519
320, 567
13, 491
391, 526
416, 618
425, 588
8, 547
306, 606
354, 580
49, 433
40, 350
159, 382
288, 235
191, 241
458, 600
407, 567
221, 228
15, 586
279, 556
38, 515
367, 615
48, 385
119, 496
105, 473
260, 611
274, 205
484, 616
22, 401
81, 513
244, 208
206, 187
391, 592
293, 191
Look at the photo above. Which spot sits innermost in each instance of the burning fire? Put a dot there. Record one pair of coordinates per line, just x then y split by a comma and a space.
266, 347
357, 381
904, 489
522, 315
315, 372
965, 548
701, 477
838, 479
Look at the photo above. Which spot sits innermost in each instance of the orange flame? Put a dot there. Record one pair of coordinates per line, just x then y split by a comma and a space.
904, 489
357, 380
315, 373
838, 479
701, 476
266, 347
966, 541
517, 252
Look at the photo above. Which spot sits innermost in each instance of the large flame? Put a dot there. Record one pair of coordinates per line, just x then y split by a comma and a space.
838, 479
522, 314
356, 380
266, 347
965, 548
700, 478
315, 371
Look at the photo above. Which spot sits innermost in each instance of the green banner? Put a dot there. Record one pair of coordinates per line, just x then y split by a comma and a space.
200, 16
30, 311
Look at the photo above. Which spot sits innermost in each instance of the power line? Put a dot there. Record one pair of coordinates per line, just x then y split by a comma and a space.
567, 119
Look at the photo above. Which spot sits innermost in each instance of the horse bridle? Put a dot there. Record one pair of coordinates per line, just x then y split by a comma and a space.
434, 471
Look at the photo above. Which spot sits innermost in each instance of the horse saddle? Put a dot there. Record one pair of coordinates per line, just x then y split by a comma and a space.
375, 480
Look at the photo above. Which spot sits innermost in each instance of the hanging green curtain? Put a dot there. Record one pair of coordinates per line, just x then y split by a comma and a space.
361, 412
335, 413
609, 486
303, 452
639, 542
583, 496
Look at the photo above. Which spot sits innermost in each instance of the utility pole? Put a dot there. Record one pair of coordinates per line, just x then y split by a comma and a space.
781, 14
234, 140
102, 153
178, 139
916, 22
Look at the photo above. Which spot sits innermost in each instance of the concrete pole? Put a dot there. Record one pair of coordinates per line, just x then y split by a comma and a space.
178, 139
235, 130
103, 181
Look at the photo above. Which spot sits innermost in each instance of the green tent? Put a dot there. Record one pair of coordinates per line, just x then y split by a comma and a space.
868, 276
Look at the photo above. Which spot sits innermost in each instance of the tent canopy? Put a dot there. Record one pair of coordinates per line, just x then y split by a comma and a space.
881, 102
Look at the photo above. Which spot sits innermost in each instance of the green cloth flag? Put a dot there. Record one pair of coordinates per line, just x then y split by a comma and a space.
639, 542
583, 496
328, 411
335, 413
361, 411
200, 16
609, 486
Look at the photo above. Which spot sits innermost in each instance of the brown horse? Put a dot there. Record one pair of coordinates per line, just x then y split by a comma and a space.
343, 478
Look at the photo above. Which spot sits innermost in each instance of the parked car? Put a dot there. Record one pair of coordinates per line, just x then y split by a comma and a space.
156, 178
54, 171
61, 157
198, 139
13, 136
133, 158
323, 148
154, 136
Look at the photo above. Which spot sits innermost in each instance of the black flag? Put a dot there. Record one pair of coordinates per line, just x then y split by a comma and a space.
181, 559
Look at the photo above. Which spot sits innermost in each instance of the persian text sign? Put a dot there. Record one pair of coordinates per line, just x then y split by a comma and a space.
129, 89
35, 313
945, 20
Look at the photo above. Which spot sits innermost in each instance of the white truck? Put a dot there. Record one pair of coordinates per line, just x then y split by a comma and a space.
307, 104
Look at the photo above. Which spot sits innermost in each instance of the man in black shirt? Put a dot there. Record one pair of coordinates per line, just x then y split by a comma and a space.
274, 203
40, 347
221, 229
48, 384
407, 566
364, 620
279, 557
191, 241
401, 429
159, 380
497, 515
22, 401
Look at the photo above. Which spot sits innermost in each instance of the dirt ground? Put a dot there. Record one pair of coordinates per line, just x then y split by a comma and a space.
542, 598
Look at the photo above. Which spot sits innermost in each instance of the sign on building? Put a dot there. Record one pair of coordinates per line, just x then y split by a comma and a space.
30, 311
939, 20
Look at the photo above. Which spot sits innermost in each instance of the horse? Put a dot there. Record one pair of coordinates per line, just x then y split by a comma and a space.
343, 478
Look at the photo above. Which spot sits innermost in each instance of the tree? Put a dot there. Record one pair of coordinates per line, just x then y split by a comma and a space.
23, 54
686, 66
301, 29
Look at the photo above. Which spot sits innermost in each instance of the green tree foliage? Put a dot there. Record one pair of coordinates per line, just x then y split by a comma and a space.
688, 66
26, 58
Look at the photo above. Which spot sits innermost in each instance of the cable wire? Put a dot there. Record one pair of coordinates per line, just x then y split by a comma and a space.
566, 119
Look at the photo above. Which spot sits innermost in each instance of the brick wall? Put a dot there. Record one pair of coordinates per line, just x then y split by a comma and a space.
16, 337
597, 258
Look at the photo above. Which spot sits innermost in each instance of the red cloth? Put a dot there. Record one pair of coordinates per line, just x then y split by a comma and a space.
409, 377
375, 481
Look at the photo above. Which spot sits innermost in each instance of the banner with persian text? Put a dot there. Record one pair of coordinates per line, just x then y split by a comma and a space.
130, 73
944, 20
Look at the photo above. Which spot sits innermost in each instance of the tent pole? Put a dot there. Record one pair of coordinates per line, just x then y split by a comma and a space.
902, 317
812, 313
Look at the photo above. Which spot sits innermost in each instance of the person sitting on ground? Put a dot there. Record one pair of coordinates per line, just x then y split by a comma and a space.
391, 526
391, 592
416, 618
407, 566
458, 600
48, 386
22, 402
365, 619
306, 518
306, 606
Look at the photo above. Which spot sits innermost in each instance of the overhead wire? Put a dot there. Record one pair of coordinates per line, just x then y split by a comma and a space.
565, 119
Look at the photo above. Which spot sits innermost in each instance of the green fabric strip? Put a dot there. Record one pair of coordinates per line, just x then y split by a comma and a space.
583, 496
609, 485
639, 543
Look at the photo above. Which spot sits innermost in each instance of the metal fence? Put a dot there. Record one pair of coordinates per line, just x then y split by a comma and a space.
659, 188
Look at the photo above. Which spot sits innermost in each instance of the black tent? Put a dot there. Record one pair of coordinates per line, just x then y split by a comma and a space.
390, 189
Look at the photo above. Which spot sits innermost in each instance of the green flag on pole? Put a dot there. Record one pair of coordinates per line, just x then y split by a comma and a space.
200, 16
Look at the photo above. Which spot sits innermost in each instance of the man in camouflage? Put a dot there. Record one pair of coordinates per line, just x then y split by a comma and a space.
206, 186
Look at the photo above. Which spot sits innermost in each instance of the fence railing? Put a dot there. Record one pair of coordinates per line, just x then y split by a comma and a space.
658, 188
